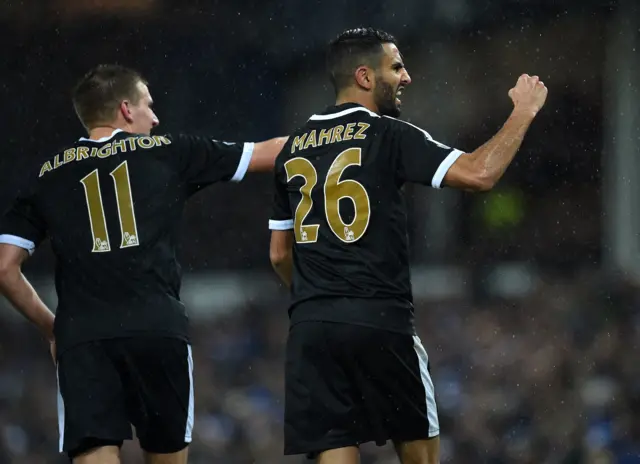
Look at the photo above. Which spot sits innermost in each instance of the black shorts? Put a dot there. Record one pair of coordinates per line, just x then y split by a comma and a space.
106, 386
349, 384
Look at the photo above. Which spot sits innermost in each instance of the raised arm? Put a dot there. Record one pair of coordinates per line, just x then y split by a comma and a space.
265, 153
481, 169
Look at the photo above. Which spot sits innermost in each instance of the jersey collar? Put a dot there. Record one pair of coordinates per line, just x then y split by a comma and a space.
339, 111
102, 139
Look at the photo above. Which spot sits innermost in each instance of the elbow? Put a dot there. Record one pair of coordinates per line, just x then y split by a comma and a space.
479, 178
281, 248
482, 182
278, 257
472, 180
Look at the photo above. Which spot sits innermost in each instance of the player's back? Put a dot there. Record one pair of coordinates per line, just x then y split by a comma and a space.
339, 181
111, 208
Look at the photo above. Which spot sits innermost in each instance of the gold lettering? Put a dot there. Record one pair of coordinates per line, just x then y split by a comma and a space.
145, 142
332, 135
161, 140
105, 151
56, 162
325, 136
337, 134
298, 142
82, 153
46, 167
132, 143
311, 140
363, 127
94, 152
119, 144
69, 155
348, 134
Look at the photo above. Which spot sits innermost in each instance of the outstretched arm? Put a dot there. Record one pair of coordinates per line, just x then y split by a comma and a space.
265, 153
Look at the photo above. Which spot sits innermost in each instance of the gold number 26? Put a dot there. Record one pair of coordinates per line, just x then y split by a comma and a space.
334, 191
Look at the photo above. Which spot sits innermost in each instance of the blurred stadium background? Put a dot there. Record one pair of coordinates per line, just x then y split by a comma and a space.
527, 298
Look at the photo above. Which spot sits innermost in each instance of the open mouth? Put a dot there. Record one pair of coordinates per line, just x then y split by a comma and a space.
398, 94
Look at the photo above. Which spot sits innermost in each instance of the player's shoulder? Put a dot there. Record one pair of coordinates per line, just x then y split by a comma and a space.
415, 133
400, 125
177, 137
190, 141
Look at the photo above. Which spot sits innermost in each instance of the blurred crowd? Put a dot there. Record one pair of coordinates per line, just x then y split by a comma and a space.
550, 378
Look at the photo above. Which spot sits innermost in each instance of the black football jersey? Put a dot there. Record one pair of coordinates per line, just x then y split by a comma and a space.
338, 185
111, 208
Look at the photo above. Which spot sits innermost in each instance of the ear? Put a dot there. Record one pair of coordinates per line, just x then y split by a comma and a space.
365, 77
125, 111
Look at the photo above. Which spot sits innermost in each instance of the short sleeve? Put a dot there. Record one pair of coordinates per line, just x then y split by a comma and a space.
419, 158
22, 226
204, 161
281, 216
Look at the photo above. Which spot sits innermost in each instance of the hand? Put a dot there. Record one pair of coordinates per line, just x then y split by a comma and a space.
52, 349
529, 94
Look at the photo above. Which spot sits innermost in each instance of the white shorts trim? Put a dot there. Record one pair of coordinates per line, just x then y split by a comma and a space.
190, 416
60, 415
429, 391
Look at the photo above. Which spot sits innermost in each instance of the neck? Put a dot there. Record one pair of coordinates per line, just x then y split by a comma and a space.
358, 97
96, 133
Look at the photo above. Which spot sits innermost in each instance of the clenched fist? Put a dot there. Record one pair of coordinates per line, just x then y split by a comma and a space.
529, 94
